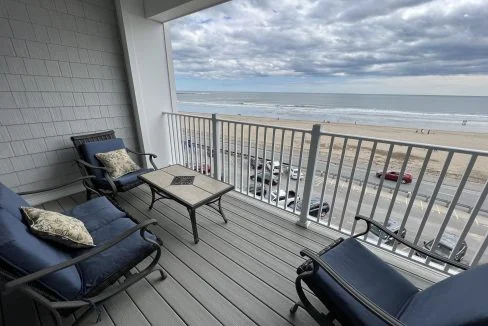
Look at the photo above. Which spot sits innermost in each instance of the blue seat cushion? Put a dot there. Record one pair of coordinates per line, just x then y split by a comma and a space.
125, 180
369, 275
25, 253
459, 300
96, 213
90, 149
11, 202
107, 265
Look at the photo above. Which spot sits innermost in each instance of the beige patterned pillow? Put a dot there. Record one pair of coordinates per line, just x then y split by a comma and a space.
57, 227
117, 162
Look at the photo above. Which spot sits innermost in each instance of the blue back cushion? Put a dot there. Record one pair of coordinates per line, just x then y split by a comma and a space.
11, 202
458, 300
26, 253
369, 275
96, 213
90, 149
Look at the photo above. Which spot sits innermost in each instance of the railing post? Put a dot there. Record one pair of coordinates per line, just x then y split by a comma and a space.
307, 187
216, 147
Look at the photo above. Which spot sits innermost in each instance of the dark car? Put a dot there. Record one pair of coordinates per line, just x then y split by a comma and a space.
393, 225
268, 177
393, 175
259, 189
446, 246
314, 209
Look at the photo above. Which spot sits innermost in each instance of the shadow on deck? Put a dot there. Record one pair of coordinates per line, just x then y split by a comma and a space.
240, 273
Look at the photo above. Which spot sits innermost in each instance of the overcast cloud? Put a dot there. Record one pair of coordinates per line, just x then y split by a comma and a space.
342, 40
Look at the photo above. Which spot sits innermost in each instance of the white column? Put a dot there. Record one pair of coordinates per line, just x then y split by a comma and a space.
149, 65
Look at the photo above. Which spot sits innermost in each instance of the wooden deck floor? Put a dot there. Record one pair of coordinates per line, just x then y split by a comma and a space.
240, 273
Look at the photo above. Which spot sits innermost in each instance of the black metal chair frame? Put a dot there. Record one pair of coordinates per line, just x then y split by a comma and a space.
312, 265
58, 306
83, 165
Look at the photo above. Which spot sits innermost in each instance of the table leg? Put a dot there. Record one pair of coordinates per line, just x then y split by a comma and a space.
193, 224
153, 195
221, 210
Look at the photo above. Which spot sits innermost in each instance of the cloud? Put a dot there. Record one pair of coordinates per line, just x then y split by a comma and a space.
333, 38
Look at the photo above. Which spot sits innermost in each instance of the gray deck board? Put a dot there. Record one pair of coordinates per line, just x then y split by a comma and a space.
178, 240
153, 305
253, 284
248, 255
240, 273
275, 217
214, 227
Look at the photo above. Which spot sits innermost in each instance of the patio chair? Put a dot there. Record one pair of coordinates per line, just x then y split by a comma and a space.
358, 288
64, 279
90, 144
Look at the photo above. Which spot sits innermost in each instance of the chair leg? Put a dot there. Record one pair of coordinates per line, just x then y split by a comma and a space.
84, 316
307, 305
163, 274
295, 307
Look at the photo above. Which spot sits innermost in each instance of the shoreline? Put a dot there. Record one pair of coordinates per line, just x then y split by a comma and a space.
461, 139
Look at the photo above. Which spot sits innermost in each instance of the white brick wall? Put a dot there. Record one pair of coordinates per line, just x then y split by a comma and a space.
61, 73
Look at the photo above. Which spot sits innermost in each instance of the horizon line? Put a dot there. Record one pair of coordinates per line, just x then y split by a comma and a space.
332, 93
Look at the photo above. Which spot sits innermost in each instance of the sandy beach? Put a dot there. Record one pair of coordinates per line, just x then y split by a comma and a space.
465, 140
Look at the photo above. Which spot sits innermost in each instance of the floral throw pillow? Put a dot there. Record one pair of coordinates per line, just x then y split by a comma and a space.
117, 162
57, 227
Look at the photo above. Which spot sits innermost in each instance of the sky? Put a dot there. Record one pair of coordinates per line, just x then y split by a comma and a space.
434, 47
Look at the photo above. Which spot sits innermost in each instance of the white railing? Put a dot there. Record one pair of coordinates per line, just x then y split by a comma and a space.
344, 175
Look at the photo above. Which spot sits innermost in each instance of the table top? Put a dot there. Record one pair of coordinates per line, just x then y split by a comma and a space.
200, 191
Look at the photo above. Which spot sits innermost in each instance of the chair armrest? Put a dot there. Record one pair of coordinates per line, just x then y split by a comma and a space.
49, 270
424, 251
151, 156
106, 175
139, 153
91, 166
358, 296
30, 192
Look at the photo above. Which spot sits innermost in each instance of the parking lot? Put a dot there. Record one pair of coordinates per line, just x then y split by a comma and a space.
458, 220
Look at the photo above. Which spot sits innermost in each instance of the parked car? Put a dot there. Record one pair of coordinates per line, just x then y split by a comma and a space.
282, 198
276, 167
295, 175
268, 177
259, 189
203, 168
314, 209
393, 175
393, 225
446, 246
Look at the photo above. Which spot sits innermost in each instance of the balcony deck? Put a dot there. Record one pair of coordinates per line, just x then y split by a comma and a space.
240, 273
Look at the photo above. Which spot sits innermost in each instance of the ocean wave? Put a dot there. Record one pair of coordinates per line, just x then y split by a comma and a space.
326, 109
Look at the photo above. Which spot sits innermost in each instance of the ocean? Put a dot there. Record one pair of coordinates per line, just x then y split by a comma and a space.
452, 113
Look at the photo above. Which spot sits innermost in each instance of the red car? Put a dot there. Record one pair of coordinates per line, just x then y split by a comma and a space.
393, 175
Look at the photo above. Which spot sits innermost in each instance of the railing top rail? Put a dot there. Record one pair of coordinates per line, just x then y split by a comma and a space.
407, 143
202, 116
266, 125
